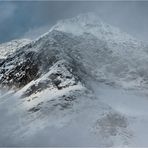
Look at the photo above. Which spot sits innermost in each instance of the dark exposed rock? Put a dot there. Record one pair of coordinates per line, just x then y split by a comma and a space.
59, 78
111, 123
36, 88
35, 59
36, 108
57, 82
63, 105
70, 98
21, 73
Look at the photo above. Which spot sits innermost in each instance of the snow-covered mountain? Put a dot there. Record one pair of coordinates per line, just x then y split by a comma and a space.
10, 47
124, 57
91, 23
88, 45
58, 76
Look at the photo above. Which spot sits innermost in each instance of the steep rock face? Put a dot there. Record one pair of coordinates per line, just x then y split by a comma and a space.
35, 60
59, 77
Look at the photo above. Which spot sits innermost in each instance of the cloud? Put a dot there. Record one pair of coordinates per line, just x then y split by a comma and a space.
35, 32
26, 18
7, 10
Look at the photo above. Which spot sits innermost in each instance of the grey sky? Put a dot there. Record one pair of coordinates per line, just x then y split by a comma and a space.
30, 19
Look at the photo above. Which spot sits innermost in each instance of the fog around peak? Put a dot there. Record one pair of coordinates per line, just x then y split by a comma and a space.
32, 18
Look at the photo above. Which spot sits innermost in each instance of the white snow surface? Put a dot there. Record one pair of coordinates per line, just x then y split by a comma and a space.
112, 111
117, 56
91, 23
111, 117
8, 48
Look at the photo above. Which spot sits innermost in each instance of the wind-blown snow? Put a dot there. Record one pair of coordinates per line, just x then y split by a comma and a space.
91, 23
8, 48
88, 122
118, 57
89, 87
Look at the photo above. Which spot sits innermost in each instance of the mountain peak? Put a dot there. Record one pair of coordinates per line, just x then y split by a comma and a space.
78, 24
85, 19
92, 24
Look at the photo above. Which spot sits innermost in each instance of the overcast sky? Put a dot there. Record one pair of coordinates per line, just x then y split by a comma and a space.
30, 19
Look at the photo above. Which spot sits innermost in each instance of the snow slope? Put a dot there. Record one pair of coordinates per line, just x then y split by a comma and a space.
83, 83
109, 119
101, 51
91, 23
10, 47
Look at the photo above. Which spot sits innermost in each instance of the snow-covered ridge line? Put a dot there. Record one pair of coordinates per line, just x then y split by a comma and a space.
91, 23
8, 48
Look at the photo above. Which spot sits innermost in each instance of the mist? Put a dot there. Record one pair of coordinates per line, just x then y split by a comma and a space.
31, 19
83, 83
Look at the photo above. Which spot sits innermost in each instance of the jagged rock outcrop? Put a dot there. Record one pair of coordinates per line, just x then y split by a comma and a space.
89, 48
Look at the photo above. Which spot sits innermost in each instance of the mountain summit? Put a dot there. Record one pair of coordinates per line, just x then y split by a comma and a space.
89, 46
91, 23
